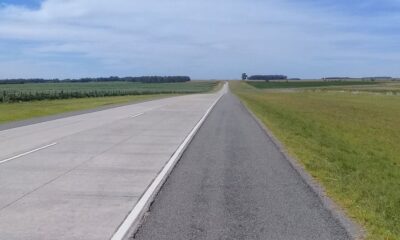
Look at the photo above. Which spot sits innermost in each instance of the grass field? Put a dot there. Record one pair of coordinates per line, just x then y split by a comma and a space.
43, 91
380, 88
348, 142
306, 84
10, 112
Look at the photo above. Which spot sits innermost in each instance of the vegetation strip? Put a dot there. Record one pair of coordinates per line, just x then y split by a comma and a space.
11, 112
50, 91
347, 142
306, 84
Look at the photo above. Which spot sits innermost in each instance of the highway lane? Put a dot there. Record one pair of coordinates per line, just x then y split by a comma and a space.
233, 183
78, 177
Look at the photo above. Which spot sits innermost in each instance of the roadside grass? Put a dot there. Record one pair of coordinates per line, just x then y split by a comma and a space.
349, 143
306, 84
25, 110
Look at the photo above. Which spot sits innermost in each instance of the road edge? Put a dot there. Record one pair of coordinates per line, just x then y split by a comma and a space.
134, 219
354, 230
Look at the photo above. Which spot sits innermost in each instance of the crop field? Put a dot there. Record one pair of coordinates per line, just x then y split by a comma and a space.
48, 91
348, 142
306, 84
384, 88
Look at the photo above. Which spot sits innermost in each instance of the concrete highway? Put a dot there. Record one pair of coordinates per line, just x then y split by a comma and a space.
233, 183
78, 177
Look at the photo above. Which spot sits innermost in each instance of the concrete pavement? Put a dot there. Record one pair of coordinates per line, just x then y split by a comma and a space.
232, 182
78, 177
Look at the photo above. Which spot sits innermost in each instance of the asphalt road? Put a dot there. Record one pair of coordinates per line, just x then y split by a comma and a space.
78, 177
233, 183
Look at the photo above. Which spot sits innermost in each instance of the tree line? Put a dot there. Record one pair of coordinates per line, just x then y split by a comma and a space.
143, 79
267, 77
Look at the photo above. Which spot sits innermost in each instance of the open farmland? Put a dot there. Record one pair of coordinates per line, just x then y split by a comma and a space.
306, 84
383, 88
48, 91
348, 142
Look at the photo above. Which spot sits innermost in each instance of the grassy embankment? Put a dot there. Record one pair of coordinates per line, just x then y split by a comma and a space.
349, 143
24, 110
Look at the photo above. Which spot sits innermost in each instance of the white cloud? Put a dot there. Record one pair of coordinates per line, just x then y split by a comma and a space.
206, 38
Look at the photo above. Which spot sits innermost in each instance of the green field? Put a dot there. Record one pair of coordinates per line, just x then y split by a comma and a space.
383, 87
46, 91
10, 112
305, 84
348, 142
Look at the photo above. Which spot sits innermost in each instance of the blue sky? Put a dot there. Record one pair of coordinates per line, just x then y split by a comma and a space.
26, 3
204, 39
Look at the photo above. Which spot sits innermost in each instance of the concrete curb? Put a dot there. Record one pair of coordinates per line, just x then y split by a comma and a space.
354, 230
134, 219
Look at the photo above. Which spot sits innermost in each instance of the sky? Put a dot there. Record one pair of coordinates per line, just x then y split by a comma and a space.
207, 39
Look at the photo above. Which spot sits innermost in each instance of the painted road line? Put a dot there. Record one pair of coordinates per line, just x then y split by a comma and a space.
26, 153
137, 115
134, 218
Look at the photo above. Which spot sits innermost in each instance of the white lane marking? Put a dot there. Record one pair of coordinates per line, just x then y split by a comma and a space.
158, 107
132, 221
137, 115
148, 110
26, 153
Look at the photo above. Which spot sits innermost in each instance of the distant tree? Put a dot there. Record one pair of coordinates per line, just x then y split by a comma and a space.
244, 76
268, 77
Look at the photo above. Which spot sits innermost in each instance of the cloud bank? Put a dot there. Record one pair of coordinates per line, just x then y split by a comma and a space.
203, 39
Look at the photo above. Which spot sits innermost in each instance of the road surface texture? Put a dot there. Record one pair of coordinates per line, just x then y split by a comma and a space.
233, 183
78, 177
